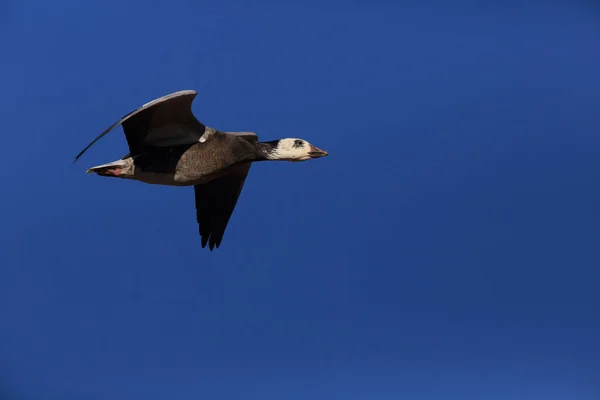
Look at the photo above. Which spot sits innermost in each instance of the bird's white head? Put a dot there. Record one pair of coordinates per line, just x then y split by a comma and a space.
292, 149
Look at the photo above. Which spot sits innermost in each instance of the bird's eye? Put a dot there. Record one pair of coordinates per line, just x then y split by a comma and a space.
298, 143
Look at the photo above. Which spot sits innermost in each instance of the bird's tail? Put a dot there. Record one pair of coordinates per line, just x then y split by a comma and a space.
104, 168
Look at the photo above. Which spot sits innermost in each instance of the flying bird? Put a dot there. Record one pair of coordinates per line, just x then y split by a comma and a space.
169, 146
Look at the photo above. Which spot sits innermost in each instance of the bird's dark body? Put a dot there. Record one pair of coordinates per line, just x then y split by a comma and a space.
187, 165
160, 160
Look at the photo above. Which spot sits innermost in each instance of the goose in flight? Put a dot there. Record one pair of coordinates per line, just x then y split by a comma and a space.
169, 146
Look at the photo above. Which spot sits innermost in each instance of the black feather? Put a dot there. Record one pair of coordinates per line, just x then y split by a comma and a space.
215, 202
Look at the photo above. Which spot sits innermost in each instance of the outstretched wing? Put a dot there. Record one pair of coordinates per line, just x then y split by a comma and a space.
165, 121
251, 136
215, 202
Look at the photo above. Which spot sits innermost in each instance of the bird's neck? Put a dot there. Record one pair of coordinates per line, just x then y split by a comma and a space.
266, 151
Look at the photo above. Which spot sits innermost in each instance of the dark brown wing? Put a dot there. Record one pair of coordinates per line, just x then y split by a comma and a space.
215, 202
165, 121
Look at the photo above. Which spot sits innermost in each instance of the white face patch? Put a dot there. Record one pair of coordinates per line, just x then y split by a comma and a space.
291, 149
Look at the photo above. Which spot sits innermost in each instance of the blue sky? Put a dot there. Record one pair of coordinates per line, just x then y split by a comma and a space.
446, 249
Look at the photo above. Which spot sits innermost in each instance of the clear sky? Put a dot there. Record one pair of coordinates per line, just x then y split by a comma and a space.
448, 247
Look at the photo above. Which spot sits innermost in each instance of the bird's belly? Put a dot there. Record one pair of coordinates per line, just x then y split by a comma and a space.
176, 178
155, 178
193, 178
